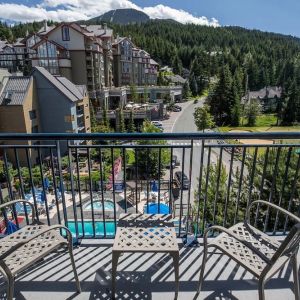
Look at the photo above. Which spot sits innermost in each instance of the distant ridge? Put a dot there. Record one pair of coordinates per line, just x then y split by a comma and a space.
122, 16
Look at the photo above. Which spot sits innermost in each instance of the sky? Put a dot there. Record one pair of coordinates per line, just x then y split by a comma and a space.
267, 15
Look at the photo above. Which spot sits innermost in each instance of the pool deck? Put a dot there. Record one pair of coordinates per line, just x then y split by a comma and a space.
143, 276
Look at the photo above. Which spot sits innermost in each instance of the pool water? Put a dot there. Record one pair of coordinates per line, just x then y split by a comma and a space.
97, 205
20, 208
88, 228
155, 208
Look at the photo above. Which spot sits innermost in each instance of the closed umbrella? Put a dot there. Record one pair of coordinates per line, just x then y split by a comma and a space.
46, 183
154, 187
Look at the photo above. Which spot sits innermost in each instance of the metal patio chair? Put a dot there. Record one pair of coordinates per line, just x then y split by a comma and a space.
260, 254
23, 248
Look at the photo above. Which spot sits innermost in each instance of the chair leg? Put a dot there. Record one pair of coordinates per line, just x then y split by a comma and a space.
296, 276
202, 268
10, 288
74, 268
115, 258
175, 256
261, 289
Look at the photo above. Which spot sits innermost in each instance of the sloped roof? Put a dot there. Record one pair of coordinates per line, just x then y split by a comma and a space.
98, 30
43, 40
42, 30
70, 86
19, 42
65, 86
175, 78
153, 62
82, 90
16, 87
267, 92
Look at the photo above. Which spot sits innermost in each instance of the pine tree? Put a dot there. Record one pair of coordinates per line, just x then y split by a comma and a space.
221, 99
105, 120
186, 91
236, 106
177, 65
131, 125
291, 113
121, 121
193, 85
134, 94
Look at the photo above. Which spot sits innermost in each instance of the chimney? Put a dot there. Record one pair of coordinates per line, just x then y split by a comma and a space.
45, 25
105, 26
118, 38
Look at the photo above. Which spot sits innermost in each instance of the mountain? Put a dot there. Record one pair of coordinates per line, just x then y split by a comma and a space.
122, 17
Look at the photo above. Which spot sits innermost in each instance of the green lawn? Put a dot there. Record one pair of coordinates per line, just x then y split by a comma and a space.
266, 122
263, 120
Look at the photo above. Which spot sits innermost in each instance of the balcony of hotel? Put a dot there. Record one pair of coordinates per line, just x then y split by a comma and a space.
200, 179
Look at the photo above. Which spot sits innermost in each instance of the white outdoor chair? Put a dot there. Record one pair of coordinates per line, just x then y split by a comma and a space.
23, 248
260, 254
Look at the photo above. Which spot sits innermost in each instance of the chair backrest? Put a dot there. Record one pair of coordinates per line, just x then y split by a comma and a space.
289, 245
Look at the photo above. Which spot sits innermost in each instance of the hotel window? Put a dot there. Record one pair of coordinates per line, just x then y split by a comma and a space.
32, 114
65, 33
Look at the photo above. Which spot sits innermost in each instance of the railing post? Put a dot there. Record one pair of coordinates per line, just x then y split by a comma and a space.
61, 183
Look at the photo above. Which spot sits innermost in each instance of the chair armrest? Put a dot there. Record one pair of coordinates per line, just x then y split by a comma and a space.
34, 236
10, 203
282, 210
235, 236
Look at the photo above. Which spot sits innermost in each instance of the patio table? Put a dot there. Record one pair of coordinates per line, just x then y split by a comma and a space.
142, 233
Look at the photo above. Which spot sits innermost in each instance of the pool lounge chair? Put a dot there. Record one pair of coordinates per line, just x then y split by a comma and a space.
23, 248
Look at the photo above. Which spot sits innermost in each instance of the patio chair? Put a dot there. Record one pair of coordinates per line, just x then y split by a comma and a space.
260, 254
23, 248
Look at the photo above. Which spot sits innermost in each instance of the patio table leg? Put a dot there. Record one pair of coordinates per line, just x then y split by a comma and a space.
175, 256
10, 288
115, 258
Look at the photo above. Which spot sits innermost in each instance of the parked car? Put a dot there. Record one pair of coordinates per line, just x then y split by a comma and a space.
157, 123
176, 109
185, 181
174, 161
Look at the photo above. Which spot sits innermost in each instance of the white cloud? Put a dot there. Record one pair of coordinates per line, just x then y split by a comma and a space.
165, 12
72, 10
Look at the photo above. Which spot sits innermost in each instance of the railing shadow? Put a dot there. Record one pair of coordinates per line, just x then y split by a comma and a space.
138, 276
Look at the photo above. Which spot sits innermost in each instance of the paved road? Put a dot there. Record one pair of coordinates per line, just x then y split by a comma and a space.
183, 122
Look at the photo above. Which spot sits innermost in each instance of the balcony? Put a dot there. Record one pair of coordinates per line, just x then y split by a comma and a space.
137, 114
225, 173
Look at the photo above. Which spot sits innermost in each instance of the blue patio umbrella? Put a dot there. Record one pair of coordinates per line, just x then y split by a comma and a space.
43, 197
11, 227
152, 208
154, 187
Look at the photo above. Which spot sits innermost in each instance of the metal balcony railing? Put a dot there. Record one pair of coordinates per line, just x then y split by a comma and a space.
86, 181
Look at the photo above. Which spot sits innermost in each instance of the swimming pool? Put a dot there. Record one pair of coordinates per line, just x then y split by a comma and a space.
155, 208
88, 228
97, 205
20, 209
